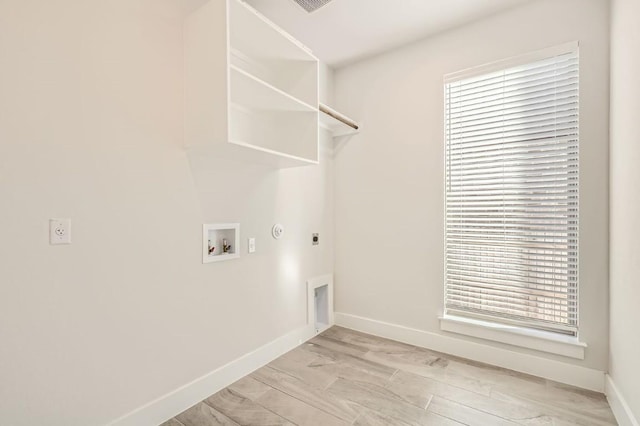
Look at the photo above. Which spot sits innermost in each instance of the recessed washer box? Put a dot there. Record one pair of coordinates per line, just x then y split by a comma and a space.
220, 241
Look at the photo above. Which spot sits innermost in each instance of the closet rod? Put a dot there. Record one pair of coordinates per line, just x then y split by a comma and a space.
335, 114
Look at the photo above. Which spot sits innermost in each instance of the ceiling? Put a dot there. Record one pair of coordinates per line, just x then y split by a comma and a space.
344, 31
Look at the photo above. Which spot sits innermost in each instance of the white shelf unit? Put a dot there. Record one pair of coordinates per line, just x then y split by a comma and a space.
251, 90
213, 238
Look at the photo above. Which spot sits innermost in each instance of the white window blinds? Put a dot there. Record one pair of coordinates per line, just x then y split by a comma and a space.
512, 194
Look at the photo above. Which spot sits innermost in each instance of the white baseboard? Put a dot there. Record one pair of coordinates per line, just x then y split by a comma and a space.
167, 406
619, 405
586, 378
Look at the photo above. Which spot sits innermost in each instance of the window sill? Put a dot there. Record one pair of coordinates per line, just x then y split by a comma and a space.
539, 340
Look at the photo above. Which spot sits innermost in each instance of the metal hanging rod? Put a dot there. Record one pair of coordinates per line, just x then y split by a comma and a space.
335, 114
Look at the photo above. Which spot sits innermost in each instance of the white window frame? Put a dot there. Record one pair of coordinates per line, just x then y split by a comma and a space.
502, 331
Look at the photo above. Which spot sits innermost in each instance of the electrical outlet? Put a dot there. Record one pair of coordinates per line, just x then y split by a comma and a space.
252, 245
315, 239
59, 231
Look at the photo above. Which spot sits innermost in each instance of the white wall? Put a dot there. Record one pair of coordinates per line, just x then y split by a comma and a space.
91, 128
624, 358
390, 179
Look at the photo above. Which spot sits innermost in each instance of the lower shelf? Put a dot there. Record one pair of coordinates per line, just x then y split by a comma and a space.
287, 134
279, 158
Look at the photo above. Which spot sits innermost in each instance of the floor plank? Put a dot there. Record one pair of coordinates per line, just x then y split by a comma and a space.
409, 386
380, 400
373, 418
250, 387
296, 363
172, 422
560, 416
244, 411
314, 396
348, 367
339, 346
297, 411
413, 389
432, 366
466, 415
203, 415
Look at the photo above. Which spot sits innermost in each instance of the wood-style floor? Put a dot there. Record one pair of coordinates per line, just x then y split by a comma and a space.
343, 377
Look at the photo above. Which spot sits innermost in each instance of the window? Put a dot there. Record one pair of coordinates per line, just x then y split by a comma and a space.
511, 237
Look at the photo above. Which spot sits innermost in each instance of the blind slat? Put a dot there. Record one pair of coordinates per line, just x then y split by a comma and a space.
540, 106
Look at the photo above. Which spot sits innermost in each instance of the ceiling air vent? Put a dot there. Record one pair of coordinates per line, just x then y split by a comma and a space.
311, 5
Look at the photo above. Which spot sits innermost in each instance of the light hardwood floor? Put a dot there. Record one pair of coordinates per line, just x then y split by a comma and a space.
343, 377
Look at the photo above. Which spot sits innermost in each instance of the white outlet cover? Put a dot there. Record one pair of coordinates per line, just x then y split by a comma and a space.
277, 231
59, 231
252, 245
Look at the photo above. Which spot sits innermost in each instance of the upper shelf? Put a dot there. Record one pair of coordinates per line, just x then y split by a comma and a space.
258, 37
337, 123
